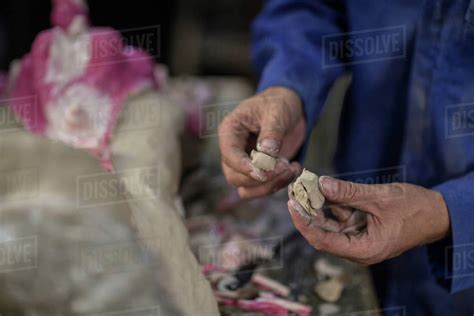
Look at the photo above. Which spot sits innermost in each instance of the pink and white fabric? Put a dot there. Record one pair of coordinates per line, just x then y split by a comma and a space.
76, 79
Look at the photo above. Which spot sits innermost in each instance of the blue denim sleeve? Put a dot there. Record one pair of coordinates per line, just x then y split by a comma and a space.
452, 258
287, 50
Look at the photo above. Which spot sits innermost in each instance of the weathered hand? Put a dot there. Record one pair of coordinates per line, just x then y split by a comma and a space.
400, 216
272, 119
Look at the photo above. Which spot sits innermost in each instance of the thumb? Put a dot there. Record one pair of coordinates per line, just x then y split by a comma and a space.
272, 131
345, 192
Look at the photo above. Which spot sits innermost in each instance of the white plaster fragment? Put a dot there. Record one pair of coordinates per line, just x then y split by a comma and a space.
324, 268
306, 192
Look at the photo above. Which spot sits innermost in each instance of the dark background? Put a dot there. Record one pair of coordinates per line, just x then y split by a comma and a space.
209, 37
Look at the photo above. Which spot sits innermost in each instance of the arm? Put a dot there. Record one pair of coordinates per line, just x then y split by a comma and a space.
287, 51
288, 48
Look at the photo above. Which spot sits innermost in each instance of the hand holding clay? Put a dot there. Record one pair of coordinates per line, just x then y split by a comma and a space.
306, 194
400, 216
273, 123
262, 161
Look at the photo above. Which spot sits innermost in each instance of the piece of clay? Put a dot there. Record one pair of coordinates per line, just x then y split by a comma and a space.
306, 192
357, 223
325, 269
330, 290
262, 160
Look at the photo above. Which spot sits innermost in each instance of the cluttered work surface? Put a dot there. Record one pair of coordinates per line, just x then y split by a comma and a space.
117, 244
111, 187
274, 270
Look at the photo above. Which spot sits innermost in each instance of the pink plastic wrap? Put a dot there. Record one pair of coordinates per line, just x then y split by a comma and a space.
77, 79
64, 11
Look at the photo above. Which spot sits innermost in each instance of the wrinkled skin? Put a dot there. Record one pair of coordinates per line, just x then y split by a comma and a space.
400, 216
371, 222
274, 122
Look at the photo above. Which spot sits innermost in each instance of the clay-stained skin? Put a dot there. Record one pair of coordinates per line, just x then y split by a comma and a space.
306, 192
262, 160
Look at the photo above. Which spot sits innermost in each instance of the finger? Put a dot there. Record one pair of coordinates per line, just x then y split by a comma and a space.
232, 140
280, 181
338, 244
273, 128
349, 193
356, 223
358, 218
341, 213
318, 220
238, 179
241, 180
351, 219
282, 165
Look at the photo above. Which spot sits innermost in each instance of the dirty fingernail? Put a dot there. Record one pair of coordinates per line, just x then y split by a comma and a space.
328, 185
295, 206
268, 145
258, 175
255, 173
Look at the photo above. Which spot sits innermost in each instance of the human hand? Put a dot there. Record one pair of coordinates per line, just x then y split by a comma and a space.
400, 216
274, 122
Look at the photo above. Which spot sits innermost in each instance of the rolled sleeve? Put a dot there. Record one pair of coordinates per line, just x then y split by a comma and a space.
287, 40
452, 258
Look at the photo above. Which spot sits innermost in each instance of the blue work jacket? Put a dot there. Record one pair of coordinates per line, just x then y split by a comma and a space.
408, 116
